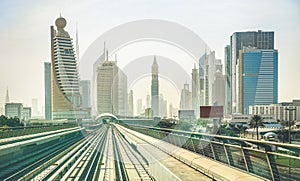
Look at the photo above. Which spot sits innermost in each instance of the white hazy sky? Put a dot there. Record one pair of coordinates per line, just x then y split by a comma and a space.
25, 37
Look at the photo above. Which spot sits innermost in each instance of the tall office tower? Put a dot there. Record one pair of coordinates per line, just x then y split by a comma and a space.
258, 77
195, 91
148, 105
202, 78
218, 90
7, 96
155, 89
163, 109
85, 92
186, 98
139, 107
130, 103
227, 60
170, 110
66, 98
47, 86
35, 109
213, 67
111, 89
259, 39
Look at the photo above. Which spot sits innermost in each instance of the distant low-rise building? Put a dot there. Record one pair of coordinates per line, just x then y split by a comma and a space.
26, 113
188, 115
279, 111
244, 119
14, 110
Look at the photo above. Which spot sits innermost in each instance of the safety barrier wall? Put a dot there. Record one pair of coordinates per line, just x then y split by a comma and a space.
270, 160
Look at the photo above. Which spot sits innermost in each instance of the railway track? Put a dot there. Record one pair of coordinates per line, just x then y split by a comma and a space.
104, 154
16, 168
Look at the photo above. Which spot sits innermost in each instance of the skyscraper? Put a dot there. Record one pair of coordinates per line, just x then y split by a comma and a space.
85, 92
130, 103
48, 98
163, 107
139, 108
35, 107
186, 98
66, 98
111, 89
155, 89
148, 105
258, 78
227, 60
213, 67
196, 91
201, 79
259, 39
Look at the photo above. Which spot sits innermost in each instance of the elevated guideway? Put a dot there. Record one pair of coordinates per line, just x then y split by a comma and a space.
208, 167
268, 160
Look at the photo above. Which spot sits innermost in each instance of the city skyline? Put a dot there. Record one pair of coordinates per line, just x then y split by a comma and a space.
30, 59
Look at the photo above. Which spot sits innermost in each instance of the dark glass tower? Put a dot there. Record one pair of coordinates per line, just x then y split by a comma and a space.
260, 40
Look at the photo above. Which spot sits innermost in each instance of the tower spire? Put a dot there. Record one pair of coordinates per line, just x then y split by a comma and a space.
106, 58
7, 96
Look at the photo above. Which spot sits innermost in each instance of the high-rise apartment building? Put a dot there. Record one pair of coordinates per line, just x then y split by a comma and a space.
47, 87
66, 99
260, 40
155, 89
257, 78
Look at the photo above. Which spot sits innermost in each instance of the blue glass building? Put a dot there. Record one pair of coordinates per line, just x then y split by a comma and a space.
259, 77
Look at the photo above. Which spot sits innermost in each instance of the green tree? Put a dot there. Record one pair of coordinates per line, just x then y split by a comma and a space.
241, 128
256, 122
10, 122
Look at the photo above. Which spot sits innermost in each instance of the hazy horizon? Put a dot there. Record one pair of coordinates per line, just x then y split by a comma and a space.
25, 33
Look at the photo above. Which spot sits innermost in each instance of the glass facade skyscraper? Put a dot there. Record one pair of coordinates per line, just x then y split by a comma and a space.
260, 40
258, 77
66, 98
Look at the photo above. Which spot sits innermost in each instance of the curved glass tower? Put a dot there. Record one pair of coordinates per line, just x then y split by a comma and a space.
65, 80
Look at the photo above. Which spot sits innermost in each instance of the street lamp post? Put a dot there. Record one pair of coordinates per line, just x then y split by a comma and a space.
290, 141
289, 121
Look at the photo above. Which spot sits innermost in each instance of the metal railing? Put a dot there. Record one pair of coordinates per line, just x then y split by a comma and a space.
21, 131
270, 160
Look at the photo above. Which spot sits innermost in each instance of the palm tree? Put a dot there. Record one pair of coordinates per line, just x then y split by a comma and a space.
255, 122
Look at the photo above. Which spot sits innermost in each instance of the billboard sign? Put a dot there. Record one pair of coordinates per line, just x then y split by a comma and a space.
211, 111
